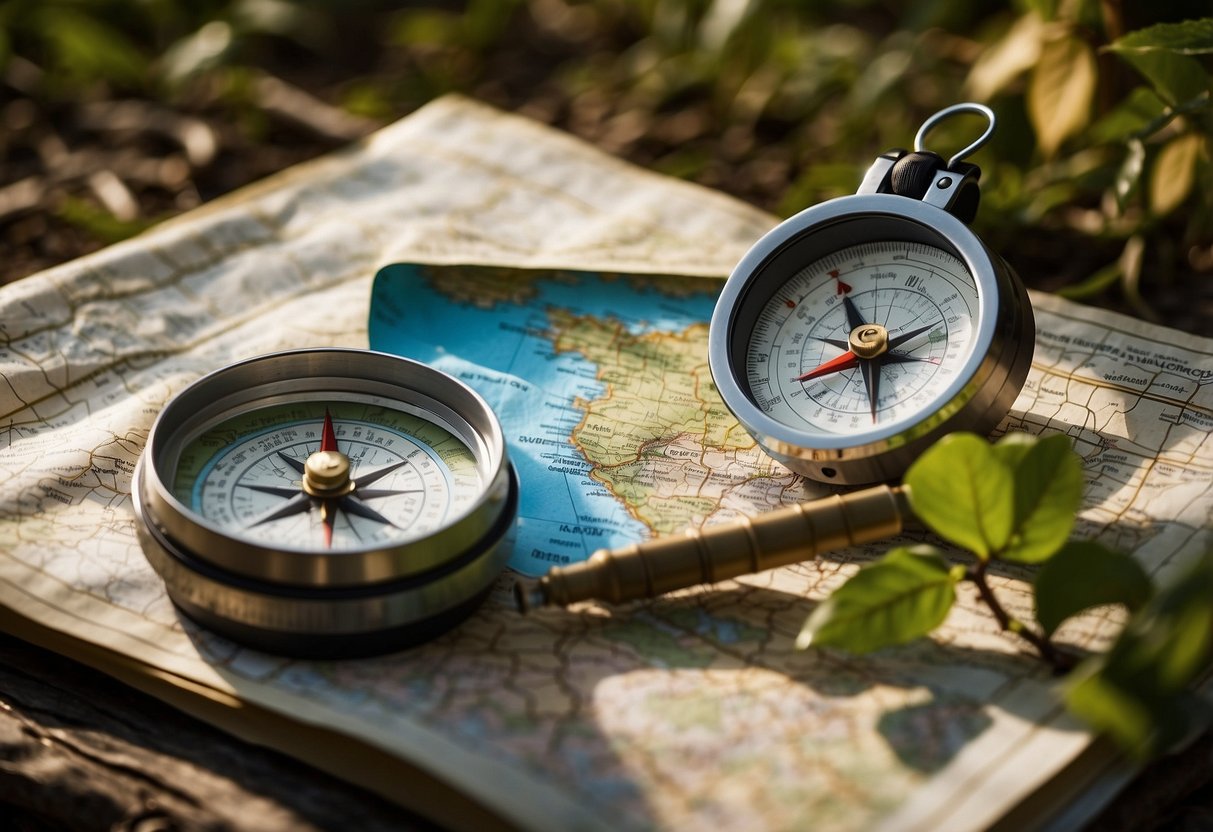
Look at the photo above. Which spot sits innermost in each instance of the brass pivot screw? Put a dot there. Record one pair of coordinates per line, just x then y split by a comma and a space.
869, 340
327, 474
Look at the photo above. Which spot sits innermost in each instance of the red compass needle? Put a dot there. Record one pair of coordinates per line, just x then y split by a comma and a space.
846, 361
328, 515
328, 439
328, 506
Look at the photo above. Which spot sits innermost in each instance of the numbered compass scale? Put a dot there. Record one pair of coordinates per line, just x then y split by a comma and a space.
846, 341
326, 502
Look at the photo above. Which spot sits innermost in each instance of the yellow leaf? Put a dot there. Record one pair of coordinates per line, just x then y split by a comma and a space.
1061, 90
1006, 59
1174, 172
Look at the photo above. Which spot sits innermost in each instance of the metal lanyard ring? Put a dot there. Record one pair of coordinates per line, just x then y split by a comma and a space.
966, 107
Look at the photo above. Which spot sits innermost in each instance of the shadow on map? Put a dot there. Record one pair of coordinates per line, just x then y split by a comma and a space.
926, 699
605, 704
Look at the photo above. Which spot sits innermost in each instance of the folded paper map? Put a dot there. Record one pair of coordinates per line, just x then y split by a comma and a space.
592, 281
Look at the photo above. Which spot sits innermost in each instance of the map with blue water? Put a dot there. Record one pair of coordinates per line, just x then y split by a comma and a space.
599, 381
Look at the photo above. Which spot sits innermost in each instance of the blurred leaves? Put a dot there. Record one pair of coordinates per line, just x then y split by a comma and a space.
1193, 37
1138, 692
1174, 171
1085, 574
1104, 109
1061, 90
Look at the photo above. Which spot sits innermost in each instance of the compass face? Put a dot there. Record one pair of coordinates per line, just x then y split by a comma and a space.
327, 475
871, 335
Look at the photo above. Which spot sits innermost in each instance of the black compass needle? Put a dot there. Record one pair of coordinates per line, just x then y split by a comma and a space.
296, 464
373, 476
375, 493
276, 490
894, 343
841, 343
902, 358
871, 380
354, 506
854, 318
298, 504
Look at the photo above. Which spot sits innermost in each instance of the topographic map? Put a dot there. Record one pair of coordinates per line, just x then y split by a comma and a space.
692, 710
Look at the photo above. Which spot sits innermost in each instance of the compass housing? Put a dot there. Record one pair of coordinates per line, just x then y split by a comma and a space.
299, 599
976, 398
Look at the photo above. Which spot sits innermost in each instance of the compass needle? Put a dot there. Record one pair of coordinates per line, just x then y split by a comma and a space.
846, 361
375, 476
871, 382
907, 336
376, 493
356, 507
328, 516
296, 465
295, 505
276, 490
328, 440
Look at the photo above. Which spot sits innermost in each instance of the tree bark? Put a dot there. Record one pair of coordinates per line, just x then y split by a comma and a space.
79, 750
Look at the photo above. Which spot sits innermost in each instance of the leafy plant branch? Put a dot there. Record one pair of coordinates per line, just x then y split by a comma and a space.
1061, 660
1015, 502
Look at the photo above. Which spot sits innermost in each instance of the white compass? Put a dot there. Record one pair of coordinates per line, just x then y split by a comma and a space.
326, 502
857, 332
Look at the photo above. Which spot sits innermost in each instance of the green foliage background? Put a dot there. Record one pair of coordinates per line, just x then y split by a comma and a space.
1098, 182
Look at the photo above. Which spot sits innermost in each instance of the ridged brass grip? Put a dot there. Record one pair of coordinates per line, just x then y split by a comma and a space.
787, 535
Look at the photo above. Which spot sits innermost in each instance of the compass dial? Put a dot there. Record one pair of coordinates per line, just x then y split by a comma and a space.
868, 335
397, 476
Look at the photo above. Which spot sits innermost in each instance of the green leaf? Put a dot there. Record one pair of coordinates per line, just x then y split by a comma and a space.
197, 52
1137, 692
964, 493
1174, 172
1006, 58
1175, 76
1113, 711
1139, 109
86, 46
1084, 574
1128, 178
1013, 447
1094, 284
1190, 37
1061, 91
899, 598
1048, 491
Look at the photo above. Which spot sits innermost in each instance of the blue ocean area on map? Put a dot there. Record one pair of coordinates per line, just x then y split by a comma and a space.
504, 350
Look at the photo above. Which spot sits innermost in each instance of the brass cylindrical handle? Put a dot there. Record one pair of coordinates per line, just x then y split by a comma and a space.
751, 544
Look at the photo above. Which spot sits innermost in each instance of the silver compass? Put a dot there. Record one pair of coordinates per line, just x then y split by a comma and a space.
326, 502
860, 330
